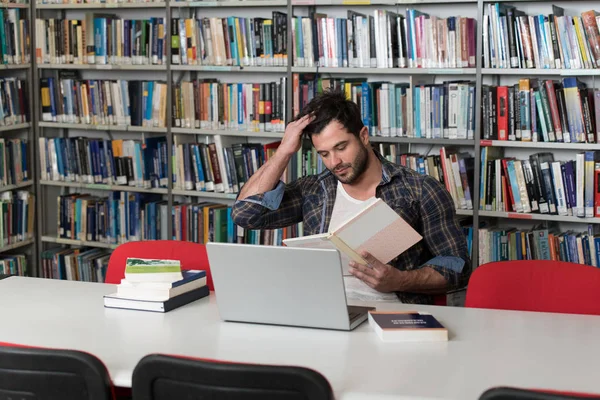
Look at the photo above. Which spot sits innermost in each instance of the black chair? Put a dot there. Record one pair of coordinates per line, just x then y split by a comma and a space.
162, 377
31, 373
509, 393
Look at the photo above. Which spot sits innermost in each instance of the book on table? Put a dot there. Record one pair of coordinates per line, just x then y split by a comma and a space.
377, 229
397, 326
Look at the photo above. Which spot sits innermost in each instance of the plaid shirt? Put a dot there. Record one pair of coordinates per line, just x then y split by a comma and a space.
419, 199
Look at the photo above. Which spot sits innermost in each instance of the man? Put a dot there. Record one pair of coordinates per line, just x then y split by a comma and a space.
355, 174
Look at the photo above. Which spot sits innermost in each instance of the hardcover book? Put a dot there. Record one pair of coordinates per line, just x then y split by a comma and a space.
377, 229
407, 327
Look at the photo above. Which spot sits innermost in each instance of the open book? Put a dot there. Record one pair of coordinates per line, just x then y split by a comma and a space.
377, 229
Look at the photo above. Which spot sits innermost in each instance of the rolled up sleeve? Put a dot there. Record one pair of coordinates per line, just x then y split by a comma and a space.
274, 209
444, 236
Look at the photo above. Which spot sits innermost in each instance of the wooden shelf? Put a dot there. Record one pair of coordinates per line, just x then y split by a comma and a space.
230, 3
8, 128
521, 72
189, 131
13, 5
408, 140
98, 6
118, 128
15, 66
467, 213
374, 2
96, 186
104, 67
540, 145
17, 186
387, 71
17, 245
208, 195
538, 217
228, 68
54, 239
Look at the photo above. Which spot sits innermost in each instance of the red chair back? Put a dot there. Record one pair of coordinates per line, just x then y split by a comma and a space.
541, 285
191, 255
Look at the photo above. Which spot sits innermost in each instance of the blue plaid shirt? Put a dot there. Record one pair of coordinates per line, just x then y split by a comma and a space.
420, 200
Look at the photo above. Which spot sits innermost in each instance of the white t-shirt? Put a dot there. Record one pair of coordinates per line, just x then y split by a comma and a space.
344, 207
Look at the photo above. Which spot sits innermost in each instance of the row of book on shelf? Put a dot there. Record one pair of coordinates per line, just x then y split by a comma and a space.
120, 217
14, 107
540, 184
210, 104
532, 110
452, 168
14, 166
101, 39
230, 41
17, 213
445, 110
198, 104
213, 167
513, 39
541, 110
538, 243
13, 264
384, 40
77, 264
69, 99
14, 37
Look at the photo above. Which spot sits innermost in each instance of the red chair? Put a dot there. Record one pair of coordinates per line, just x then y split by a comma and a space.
165, 377
52, 374
541, 285
509, 393
192, 256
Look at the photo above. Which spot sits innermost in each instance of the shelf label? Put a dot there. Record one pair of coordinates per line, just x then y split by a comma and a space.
356, 2
102, 127
111, 5
485, 143
303, 2
519, 216
104, 66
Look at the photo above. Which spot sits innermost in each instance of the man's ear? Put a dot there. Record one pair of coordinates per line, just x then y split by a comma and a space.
364, 135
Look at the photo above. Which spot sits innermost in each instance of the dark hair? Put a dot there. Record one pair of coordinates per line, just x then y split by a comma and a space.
332, 105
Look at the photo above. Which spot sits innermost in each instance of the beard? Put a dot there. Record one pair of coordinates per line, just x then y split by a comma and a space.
353, 170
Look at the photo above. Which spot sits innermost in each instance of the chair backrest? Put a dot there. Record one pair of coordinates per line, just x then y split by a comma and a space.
192, 256
509, 393
162, 377
31, 373
545, 286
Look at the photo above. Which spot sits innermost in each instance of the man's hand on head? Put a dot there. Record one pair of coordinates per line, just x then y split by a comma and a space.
377, 275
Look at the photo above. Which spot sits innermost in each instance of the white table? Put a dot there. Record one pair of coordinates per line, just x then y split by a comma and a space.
486, 347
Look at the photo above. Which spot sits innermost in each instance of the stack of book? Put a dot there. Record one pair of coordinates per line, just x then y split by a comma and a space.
157, 285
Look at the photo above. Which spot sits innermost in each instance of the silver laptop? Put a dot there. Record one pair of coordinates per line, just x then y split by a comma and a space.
281, 286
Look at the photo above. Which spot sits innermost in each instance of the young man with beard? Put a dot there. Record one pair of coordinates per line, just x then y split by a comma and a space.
355, 174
